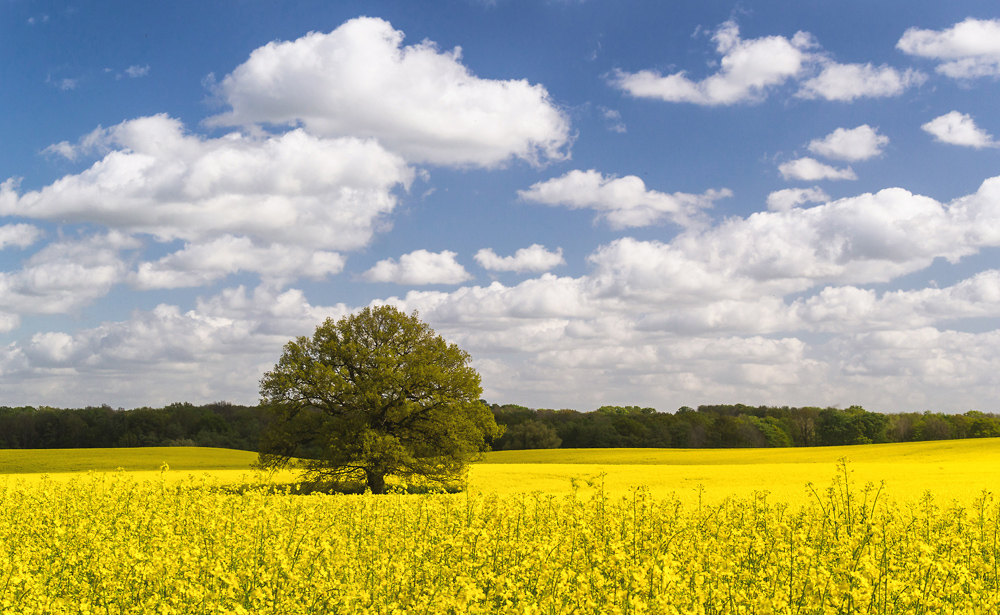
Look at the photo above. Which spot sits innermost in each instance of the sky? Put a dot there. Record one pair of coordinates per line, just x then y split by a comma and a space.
629, 203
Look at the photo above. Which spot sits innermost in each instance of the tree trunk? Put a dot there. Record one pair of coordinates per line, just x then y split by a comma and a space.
376, 481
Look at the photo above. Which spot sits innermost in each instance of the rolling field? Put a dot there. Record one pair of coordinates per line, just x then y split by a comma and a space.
520, 540
224, 466
69, 460
951, 469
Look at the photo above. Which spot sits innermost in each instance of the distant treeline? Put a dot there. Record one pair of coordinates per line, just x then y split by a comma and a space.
227, 425
219, 424
729, 426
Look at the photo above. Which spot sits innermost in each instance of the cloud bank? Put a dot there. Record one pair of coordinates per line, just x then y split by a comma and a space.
719, 309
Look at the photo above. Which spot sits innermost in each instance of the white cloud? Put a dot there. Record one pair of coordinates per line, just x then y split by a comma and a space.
136, 70
855, 309
810, 169
9, 322
667, 322
66, 274
201, 264
614, 120
417, 100
535, 259
968, 50
418, 268
97, 141
550, 339
276, 197
959, 129
865, 239
782, 200
279, 206
622, 201
719, 309
846, 82
748, 69
65, 84
218, 350
923, 368
859, 143
63, 148
19, 235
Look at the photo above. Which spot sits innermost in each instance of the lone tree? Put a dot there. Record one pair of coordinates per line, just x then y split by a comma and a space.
371, 395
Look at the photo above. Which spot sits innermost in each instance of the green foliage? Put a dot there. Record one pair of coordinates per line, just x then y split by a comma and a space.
530, 434
372, 395
220, 424
742, 426
625, 410
852, 426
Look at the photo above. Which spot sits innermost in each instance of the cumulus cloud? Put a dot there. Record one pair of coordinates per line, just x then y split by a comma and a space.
19, 235
810, 170
9, 322
622, 201
671, 317
783, 200
968, 50
959, 129
201, 264
359, 80
856, 309
207, 353
280, 206
748, 69
65, 275
535, 259
865, 239
921, 368
554, 330
419, 268
283, 206
859, 143
846, 82
292, 189
721, 308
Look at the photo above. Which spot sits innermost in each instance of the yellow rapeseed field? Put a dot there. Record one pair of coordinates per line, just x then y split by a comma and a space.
123, 542
950, 469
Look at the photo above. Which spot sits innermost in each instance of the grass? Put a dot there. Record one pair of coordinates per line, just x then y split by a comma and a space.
149, 459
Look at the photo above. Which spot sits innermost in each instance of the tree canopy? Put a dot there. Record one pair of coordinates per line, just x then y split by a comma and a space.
375, 394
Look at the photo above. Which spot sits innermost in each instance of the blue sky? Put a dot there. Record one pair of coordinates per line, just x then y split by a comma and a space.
630, 202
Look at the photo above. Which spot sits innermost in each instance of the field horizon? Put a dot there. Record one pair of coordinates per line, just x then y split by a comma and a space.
950, 469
